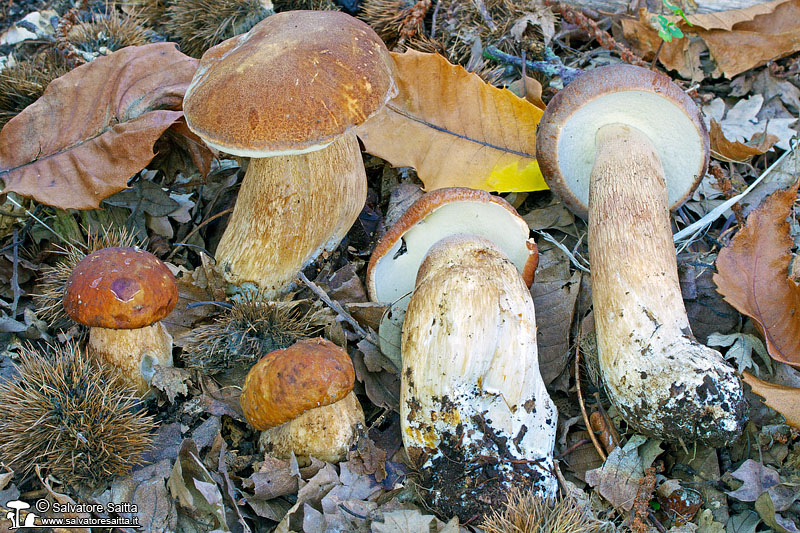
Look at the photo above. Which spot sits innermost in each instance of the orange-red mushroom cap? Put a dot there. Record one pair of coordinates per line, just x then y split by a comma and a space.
120, 288
286, 383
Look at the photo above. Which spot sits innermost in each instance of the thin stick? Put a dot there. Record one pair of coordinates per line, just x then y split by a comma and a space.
580, 401
203, 223
316, 289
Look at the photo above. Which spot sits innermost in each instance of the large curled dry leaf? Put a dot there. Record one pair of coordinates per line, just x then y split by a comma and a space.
785, 400
733, 151
456, 130
94, 127
753, 276
737, 40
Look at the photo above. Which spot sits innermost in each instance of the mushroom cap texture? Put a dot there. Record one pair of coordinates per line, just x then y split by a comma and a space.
626, 94
291, 84
120, 288
428, 204
286, 383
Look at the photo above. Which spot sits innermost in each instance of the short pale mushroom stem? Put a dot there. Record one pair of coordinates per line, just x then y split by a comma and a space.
290, 209
663, 381
134, 352
325, 433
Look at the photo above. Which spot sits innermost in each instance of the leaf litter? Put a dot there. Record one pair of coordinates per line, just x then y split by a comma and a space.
206, 472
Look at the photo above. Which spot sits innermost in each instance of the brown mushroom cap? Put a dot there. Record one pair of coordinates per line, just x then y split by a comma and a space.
286, 383
291, 84
620, 94
120, 288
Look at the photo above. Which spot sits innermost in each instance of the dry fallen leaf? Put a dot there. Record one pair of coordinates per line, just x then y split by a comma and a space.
455, 129
737, 40
785, 400
753, 276
733, 151
95, 127
740, 123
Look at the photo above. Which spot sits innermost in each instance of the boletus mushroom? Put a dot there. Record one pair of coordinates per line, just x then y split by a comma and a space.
475, 415
394, 263
302, 400
288, 95
121, 294
623, 145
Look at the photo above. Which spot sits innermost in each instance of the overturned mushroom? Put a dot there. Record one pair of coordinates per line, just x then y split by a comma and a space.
393, 266
302, 398
288, 94
122, 294
474, 410
625, 144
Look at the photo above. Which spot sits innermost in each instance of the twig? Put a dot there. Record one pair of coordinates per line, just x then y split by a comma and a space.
607, 419
551, 66
433, 19
44, 224
605, 39
200, 225
690, 232
580, 402
15, 274
316, 289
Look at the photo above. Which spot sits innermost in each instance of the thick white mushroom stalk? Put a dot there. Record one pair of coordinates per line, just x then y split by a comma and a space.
474, 410
622, 145
656, 373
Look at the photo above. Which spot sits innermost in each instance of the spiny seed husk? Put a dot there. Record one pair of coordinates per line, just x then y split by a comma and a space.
200, 24
526, 512
152, 11
386, 17
48, 301
23, 84
316, 5
251, 329
66, 414
111, 31
460, 23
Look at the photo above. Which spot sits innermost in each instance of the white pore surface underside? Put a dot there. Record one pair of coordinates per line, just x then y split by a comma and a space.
395, 278
669, 128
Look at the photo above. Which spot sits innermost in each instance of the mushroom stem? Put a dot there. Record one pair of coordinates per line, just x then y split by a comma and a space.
663, 381
474, 410
133, 352
325, 433
282, 198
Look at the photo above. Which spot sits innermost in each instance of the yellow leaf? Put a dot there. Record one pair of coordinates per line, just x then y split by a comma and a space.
455, 129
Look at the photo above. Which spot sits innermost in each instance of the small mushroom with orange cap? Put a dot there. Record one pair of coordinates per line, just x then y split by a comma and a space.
121, 294
302, 400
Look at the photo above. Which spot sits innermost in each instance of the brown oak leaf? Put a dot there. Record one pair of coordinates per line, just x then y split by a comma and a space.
95, 127
753, 276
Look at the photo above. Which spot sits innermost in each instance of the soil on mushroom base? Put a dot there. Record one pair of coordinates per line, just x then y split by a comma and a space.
470, 481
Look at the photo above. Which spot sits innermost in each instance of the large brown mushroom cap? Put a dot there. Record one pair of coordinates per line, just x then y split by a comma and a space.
292, 83
120, 288
286, 383
620, 94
